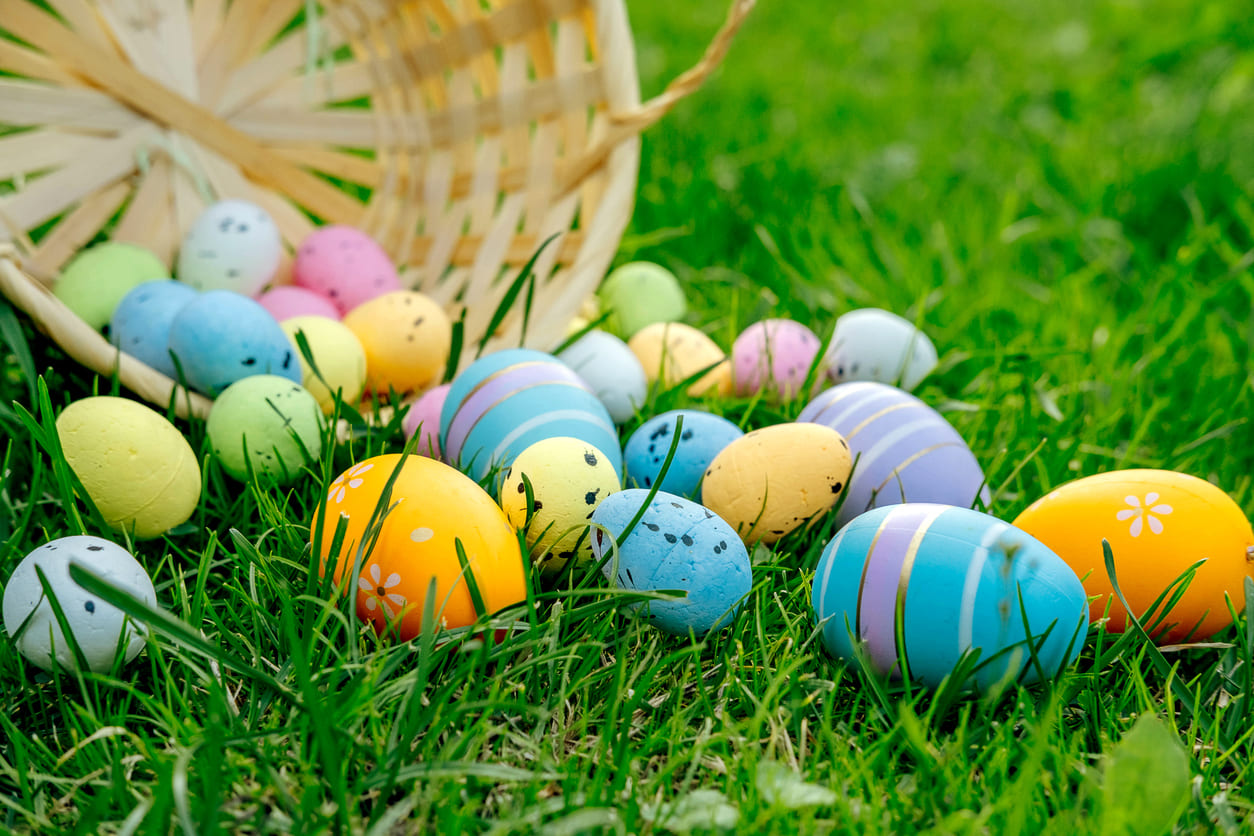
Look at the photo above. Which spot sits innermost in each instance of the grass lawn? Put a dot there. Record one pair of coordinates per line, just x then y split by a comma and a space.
1062, 191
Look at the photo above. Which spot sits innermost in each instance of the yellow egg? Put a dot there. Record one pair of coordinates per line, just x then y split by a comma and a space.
569, 478
673, 352
136, 466
772, 481
433, 508
1158, 523
407, 338
338, 354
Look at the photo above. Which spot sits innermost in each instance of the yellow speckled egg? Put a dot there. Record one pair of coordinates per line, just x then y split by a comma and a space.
772, 481
673, 352
338, 354
135, 465
569, 478
435, 506
407, 338
1158, 523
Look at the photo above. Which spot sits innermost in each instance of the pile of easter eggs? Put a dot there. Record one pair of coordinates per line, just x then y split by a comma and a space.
528, 459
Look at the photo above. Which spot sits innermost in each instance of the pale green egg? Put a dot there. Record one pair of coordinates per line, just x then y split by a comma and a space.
95, 280
264, 421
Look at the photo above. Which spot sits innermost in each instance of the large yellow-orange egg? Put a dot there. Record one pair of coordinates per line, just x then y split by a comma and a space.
1158, 523
673, 352
433, 507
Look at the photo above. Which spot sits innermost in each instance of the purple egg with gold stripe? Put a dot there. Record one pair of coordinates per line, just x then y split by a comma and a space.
903, 450
921, 586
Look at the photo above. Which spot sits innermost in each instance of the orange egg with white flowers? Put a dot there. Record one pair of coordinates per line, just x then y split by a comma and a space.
432, 508
1158, 524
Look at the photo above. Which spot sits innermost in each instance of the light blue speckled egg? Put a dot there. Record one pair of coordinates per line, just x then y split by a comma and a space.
676, 545
703, 437
936, 581
141, 322
221, 337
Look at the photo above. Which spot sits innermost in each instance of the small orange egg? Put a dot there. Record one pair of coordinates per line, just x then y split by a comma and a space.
433, 507
673, 352
407, 337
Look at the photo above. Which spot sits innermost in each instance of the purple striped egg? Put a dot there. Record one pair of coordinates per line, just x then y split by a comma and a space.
903, 450
921, 586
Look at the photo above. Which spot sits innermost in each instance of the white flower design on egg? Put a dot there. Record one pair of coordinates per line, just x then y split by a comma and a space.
377, 589
1144, 514
347, 481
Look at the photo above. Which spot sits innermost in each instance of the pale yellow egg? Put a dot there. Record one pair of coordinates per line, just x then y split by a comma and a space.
337, 353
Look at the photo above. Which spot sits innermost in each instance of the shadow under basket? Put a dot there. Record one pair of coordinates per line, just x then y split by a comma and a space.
460, 134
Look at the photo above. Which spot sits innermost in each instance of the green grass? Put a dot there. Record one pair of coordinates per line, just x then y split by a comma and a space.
1061, 191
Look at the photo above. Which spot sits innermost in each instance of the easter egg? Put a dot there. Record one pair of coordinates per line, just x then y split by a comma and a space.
99, 628
904, 450
436, 507
136, 467
676, 545
337, 353
774, 480
95, 280
939, 582
503, 403
233, 245
702, 437
569, 478
221, 337
775, 354
638, 294
265, 424
287, 301
424, 417
1158, 524
344, 265
407, 338
872, 344
608, 366
141, 322
672, 352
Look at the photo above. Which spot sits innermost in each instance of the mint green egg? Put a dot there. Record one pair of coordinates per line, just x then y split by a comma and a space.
95, 280
253, 421
641, 293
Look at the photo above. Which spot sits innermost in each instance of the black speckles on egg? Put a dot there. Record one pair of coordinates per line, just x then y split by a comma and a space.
242, 228
709, 515
661, 432
687, 436
670, 538
648, 481
248, 361
419, 321
677, 505
95, 548
590, 459
686, 540
721, 547
408, 300
651, 526
836, 488
90, 606
653, 449
539, 505
522, 488
590, 498
224, 225
287, 361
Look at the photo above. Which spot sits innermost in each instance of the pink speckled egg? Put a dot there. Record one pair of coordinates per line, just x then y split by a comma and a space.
775, 354
286, 302
424, 416
345, 265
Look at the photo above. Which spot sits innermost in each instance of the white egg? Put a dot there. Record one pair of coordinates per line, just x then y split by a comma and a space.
96, 625
234, 245
873, 344
611, 369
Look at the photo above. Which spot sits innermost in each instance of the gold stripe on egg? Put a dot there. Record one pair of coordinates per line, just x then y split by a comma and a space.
837, 397
506, 397
909, 461
870, 553
881, 414
855, 388
903, 583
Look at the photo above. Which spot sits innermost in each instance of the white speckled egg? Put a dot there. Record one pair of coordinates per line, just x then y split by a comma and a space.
610, 367
233, 245
98, 628
873, 344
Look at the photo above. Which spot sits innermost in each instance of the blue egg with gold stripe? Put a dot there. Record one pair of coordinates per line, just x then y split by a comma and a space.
920, 586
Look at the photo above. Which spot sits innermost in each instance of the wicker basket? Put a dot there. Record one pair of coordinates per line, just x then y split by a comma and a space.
492, 124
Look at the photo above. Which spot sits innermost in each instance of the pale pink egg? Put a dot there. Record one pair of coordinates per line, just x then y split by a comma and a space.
775, 354
285, 302
345, 265
424, 416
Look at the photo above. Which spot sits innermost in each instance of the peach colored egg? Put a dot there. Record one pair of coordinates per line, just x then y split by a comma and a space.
673, 352
345, 265
407, 338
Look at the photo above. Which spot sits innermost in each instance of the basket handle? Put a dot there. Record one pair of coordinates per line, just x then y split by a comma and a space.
623, 126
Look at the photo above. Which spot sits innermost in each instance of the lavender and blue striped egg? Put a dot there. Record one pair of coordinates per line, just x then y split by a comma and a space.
937, 582
701, 439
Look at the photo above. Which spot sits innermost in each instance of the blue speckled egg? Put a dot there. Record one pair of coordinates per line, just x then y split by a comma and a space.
221, 337
938, 581
501, 405
141, 322
677, 545
703, 437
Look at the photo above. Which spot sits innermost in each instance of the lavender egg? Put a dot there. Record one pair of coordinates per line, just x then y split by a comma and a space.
903, 450
920, 586
776, 355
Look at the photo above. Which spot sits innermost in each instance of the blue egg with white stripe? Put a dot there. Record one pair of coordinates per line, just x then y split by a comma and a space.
702, 437
920, 586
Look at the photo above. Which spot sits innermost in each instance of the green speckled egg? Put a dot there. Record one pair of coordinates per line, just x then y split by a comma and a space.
253, 422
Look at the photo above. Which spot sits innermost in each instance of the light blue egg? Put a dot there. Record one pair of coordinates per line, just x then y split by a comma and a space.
481, 369
676, 545
221, 337
703, 437
141, 322
936, 582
